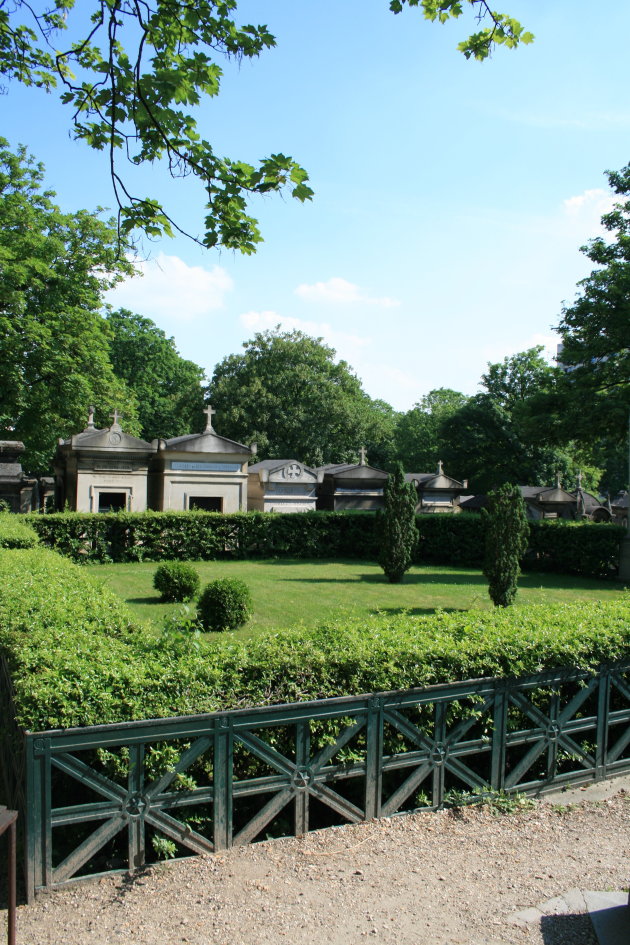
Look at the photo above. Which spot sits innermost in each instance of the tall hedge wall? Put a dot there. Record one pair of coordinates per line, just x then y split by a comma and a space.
568, 547
77, 657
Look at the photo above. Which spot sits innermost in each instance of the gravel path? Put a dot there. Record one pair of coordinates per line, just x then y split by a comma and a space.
450, 878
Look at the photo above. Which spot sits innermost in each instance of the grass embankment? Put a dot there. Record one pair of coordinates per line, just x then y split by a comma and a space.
288, 593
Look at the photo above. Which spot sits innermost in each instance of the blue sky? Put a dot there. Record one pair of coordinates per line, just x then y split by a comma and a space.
451, 197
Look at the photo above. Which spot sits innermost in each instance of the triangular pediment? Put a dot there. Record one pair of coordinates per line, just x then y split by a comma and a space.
207, 443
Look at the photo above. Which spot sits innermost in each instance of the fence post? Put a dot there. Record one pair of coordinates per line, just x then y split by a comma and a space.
222, 783
499, 735
37, 821
374, 758
603, 708
136, 820
302, 747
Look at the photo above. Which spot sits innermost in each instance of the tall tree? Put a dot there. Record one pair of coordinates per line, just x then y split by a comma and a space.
132, 78
595, 330
418, 438
168, 388
54, 349
287, 393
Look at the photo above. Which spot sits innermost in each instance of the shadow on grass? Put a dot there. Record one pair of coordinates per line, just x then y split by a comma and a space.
433, 578
145, 600
416, 611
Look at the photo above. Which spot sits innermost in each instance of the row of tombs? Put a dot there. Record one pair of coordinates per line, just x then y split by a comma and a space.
108, 470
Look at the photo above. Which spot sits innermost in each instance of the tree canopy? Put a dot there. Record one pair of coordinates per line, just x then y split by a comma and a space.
595, 329
132, 73
418, 437
54, 358
168, 389
289, 395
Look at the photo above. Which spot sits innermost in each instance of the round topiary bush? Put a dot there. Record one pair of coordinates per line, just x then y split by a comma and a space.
224, 604
176, 581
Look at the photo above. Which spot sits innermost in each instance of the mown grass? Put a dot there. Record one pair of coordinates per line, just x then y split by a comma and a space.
287, 593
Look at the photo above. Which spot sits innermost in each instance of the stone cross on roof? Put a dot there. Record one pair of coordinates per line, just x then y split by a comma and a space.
115, 417
440, 469
209, 412
363, 455
90, 418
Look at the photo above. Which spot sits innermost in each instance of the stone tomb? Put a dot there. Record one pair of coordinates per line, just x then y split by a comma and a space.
282, 485
351, 486
437, 492
103, 470
200, 471
17, 492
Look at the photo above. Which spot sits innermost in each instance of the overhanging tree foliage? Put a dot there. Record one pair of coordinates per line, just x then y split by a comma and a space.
134, 74
399, 534
507, 531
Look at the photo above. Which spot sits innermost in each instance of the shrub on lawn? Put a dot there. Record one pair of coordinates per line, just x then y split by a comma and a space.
224, 604
176, 581
399, 535
15, 532
506, 537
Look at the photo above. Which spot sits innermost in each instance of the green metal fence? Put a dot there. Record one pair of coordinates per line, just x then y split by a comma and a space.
101, 798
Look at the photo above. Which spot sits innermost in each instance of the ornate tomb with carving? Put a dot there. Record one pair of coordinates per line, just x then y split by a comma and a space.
102, 470
282, 485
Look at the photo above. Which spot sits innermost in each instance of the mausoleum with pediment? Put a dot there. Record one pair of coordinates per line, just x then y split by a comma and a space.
108, 470
200, 471
103, 470
282, 485
351, 486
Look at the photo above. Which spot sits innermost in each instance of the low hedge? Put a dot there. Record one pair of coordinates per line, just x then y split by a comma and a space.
16, 532
77, 657
567, 547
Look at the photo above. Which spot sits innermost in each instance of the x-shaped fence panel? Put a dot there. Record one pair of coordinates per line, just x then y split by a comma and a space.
205, 783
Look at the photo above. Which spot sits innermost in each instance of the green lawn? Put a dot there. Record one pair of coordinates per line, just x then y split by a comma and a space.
291, 592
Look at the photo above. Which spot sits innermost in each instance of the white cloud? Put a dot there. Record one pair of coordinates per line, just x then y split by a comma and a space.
584, 211
168, 288
345, 344
340, 290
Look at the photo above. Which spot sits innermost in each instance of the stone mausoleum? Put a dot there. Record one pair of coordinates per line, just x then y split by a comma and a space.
109, 470
200, 471
282, 485
351, 487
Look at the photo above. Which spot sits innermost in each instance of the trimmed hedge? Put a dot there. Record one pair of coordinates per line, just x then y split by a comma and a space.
176, 581
567, 547
16, 532
77, 657
224, 604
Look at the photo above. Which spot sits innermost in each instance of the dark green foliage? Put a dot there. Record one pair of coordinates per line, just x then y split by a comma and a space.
287, 393
506, 537
167, 387
76, 657
54, 358
225, 604
176, 581
15, 532
566, 547
399, 535
574, 548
